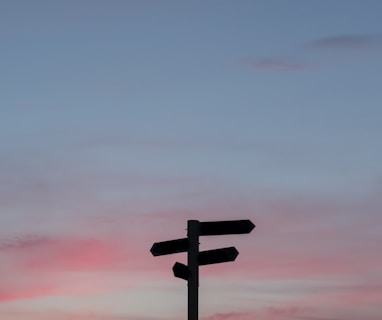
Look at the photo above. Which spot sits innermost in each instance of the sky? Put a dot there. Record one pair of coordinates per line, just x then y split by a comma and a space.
121, 120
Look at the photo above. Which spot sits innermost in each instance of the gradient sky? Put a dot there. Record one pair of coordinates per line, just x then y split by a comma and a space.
120, 120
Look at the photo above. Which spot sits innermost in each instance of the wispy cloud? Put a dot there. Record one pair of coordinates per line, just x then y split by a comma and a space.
13, 293
233, 316
367, 294
34, 266
348, 42
37, 266
61, 315
344, 44
44, 253
26, 242
274, 251
268, 313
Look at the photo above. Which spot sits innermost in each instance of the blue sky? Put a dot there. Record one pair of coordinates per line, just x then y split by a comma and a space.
120, 120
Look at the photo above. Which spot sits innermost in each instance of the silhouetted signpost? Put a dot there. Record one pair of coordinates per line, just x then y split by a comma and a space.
217, 256
169, 247
190, 273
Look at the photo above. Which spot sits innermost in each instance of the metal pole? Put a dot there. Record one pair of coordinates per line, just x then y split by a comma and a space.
193, 266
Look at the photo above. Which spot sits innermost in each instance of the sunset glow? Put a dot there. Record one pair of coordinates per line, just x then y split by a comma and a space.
120, 120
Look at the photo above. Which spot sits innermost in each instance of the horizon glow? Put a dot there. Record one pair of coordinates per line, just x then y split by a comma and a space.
121, 120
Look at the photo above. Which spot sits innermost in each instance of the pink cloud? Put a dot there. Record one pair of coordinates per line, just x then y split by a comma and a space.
259, 264
233, 316
43, 253
283, 312
39, 266
34, 266
88, 254
360, 295
295, 238
60, 315
267, 313
20, 293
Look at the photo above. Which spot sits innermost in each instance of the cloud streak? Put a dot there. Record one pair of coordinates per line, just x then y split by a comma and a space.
27, 242
268, 313
296, 238
61, 315
348, 42
344, 44
45, 254
37, 266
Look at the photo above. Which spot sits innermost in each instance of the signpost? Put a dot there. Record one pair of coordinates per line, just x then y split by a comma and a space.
181, 271
169, 247
190, 273
217, 256
215, 228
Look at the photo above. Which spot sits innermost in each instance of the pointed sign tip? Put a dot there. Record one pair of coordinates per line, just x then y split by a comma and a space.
213, 228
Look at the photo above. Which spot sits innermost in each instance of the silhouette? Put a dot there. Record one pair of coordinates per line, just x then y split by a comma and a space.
190, 273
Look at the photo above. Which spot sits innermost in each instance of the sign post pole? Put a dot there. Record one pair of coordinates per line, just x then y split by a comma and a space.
190, 273
193, 265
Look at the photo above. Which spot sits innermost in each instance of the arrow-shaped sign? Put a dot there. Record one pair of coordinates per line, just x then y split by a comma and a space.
195, 258
169, 247
217, 256
181, 271
214, 228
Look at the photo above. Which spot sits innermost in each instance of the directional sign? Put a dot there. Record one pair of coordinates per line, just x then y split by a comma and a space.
213, 228
195, 258
169, 247
217, 256
181, 271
